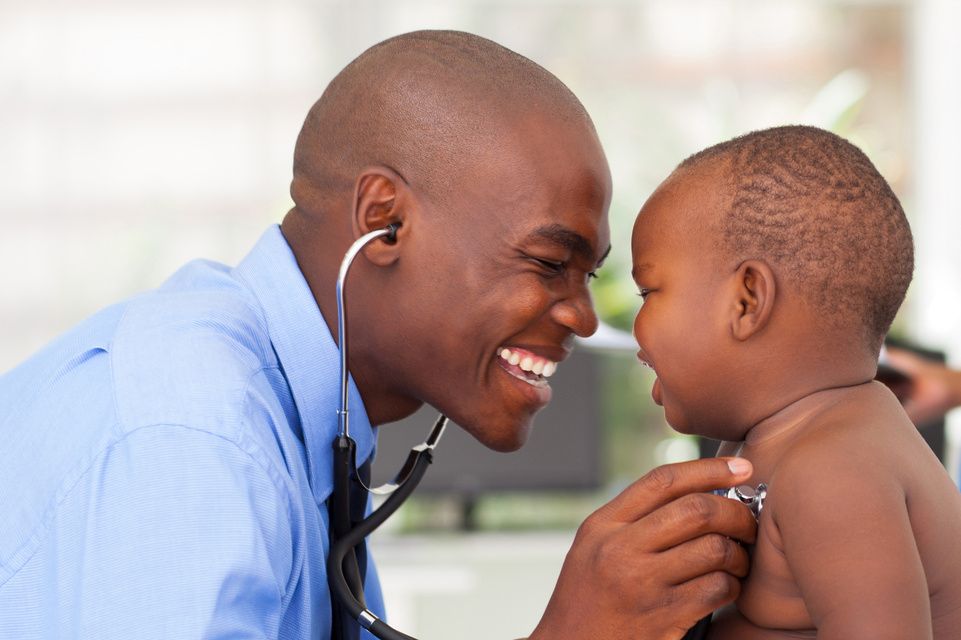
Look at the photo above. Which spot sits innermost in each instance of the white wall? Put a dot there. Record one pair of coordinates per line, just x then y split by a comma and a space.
935, 317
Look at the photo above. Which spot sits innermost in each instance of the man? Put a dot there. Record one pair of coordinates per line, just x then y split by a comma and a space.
165, 465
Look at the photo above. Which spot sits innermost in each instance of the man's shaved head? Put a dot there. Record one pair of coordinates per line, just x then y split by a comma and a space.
815, 206
424, 104
495, 175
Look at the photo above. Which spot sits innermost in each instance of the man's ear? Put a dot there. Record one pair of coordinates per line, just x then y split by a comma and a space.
754, 294
381, 197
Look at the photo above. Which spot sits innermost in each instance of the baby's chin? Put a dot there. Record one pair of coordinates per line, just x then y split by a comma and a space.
683, 424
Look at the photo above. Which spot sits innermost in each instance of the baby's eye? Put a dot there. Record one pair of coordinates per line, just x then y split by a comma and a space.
643, 293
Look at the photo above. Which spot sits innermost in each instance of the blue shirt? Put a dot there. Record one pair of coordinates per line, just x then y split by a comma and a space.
164, 465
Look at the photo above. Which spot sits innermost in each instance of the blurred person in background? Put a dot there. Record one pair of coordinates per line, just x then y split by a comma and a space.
932, 388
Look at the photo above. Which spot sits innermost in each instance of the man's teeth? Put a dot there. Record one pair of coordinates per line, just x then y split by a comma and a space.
529, 362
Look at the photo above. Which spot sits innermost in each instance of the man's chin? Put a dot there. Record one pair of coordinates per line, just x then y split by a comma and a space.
501, 436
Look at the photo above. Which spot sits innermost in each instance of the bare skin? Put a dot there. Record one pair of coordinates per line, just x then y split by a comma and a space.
858, 534
862, 549
503, 219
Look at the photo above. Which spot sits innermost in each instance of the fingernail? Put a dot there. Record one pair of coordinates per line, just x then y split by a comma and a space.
739, 466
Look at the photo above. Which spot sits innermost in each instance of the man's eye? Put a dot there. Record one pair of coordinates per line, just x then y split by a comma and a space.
557, 268
643, 293
549, 265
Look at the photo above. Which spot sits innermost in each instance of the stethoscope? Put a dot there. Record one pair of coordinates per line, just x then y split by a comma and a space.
349, 527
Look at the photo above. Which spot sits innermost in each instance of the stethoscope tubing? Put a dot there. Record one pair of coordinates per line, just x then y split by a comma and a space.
340, 549
344, 421
343, 574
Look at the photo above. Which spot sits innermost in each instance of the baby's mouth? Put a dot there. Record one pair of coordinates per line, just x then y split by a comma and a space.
656, 391
524, 365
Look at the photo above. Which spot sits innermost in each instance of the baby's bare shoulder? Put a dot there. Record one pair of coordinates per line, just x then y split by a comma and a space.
868, 468
863, 430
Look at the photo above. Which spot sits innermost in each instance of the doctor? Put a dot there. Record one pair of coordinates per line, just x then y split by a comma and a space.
164, 466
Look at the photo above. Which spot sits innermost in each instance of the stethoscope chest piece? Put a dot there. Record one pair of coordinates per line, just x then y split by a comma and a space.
753, 497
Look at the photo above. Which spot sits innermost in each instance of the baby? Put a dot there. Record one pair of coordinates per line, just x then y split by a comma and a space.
771, 267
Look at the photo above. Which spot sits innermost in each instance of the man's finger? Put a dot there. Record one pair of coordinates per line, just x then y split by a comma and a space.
671, 481
705, 594
703, 555
694, 515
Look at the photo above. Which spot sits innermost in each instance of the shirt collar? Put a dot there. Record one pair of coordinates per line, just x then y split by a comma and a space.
308, 355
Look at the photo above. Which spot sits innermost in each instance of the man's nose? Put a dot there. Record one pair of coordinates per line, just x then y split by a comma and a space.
576, 312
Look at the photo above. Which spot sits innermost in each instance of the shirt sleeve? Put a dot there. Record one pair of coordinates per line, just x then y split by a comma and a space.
174, 532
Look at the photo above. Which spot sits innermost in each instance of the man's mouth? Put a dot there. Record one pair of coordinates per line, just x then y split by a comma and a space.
527, 366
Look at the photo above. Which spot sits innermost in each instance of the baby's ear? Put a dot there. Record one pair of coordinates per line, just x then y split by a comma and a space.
754, 292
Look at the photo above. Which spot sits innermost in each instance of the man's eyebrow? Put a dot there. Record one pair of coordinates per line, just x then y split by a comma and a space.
575, 242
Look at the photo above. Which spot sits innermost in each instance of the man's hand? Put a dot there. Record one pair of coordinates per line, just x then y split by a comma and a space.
655, 559
934, 388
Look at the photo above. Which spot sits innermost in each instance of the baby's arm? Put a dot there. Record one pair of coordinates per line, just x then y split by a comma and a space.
843, 519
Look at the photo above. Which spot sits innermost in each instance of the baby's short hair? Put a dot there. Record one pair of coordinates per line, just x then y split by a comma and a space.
814, 205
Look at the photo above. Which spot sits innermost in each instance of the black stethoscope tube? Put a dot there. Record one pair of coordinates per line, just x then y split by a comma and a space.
699, 631
341, 520
341, 560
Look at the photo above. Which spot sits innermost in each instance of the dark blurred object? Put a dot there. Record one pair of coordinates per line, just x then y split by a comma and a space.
933, 433
900, 384
895, 380
563, 452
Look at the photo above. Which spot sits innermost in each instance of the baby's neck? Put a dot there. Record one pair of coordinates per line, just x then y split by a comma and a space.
795, 414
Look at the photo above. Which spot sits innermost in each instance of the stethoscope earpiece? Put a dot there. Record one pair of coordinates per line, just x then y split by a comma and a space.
391, 236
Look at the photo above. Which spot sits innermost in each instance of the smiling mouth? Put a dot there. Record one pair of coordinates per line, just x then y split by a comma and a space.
656, 389
524, 365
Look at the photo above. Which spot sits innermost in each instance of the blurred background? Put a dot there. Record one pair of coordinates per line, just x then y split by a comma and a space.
137, 134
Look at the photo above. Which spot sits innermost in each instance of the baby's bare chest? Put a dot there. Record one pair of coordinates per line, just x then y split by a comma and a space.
770, 597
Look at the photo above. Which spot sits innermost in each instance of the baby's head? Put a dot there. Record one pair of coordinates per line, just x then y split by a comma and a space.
771, 266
